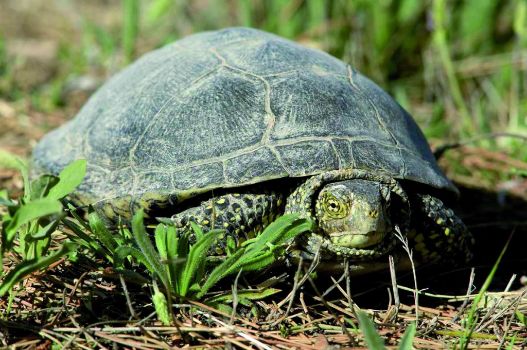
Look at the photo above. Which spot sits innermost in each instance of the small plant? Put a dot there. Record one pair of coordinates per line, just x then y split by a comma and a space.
31, 221
185, 271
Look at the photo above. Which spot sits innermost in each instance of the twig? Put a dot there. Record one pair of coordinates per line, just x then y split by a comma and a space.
508, 326
470, 288
338, 319
295, 286
312, 267
127, 296
351, 303
408, 251
392, 310
249, 338
335, 283
235, 297
453, 298
499, 313
393, 276
86, 334
439, 151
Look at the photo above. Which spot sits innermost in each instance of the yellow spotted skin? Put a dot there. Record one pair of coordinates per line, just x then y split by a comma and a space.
439, 234
433, 231
240, 215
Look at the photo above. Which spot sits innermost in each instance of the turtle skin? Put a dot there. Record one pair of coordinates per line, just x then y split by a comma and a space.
434, 232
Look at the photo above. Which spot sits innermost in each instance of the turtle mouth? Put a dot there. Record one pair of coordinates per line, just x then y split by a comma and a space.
329, 250
357, 240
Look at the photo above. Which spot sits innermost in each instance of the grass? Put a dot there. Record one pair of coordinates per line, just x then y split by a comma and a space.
177, 261
458, 67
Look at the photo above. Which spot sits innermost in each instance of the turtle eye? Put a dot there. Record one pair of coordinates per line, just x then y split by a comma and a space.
334, 208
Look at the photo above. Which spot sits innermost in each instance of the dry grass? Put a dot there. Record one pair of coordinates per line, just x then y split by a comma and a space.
457, 87
86, 309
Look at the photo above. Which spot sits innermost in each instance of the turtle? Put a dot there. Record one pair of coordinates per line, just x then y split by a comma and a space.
232, 128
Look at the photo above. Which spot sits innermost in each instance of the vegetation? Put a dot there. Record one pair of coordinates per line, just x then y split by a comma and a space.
458, 66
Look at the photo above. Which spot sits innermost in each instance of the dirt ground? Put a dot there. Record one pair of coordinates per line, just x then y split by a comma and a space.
492, 183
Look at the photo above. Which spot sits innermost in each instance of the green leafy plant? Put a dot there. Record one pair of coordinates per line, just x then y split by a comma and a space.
183, 268
28, 225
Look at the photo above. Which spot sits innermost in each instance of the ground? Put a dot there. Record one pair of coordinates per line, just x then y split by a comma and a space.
52, 57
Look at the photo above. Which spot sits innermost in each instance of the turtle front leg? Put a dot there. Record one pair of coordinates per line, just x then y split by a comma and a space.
437, 234
240, 215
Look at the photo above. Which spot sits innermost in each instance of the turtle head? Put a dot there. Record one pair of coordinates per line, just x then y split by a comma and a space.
353, 213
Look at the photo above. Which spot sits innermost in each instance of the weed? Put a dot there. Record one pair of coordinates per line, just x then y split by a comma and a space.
32, 221
185, 272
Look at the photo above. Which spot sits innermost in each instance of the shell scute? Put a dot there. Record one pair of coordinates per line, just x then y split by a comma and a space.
231, 108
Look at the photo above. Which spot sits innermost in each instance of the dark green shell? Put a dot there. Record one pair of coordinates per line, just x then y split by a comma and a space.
229, 108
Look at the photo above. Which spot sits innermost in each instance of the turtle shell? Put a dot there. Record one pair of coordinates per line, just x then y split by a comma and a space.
230, 108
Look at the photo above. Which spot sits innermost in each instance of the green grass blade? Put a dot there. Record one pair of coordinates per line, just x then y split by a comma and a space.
254, 263
245, 12
83, 239
98, 228
520, 21
5, 201
174, 261
80, 220
372, 338
476, 24
272, 233
195, 260
183, 246
316, 10
250, 294
157, 9
26, 267
124, 251
147, 248
198, 232
167, 245
297, 227
69, 178
408, 11
219, 272
39, 248
522, 318
441, 44
256, 255
471, 322
130, 27
408, 338
160, 236
44, 232
236, 262
512, 341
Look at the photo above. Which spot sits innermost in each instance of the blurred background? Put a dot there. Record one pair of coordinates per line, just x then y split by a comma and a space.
459, 67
